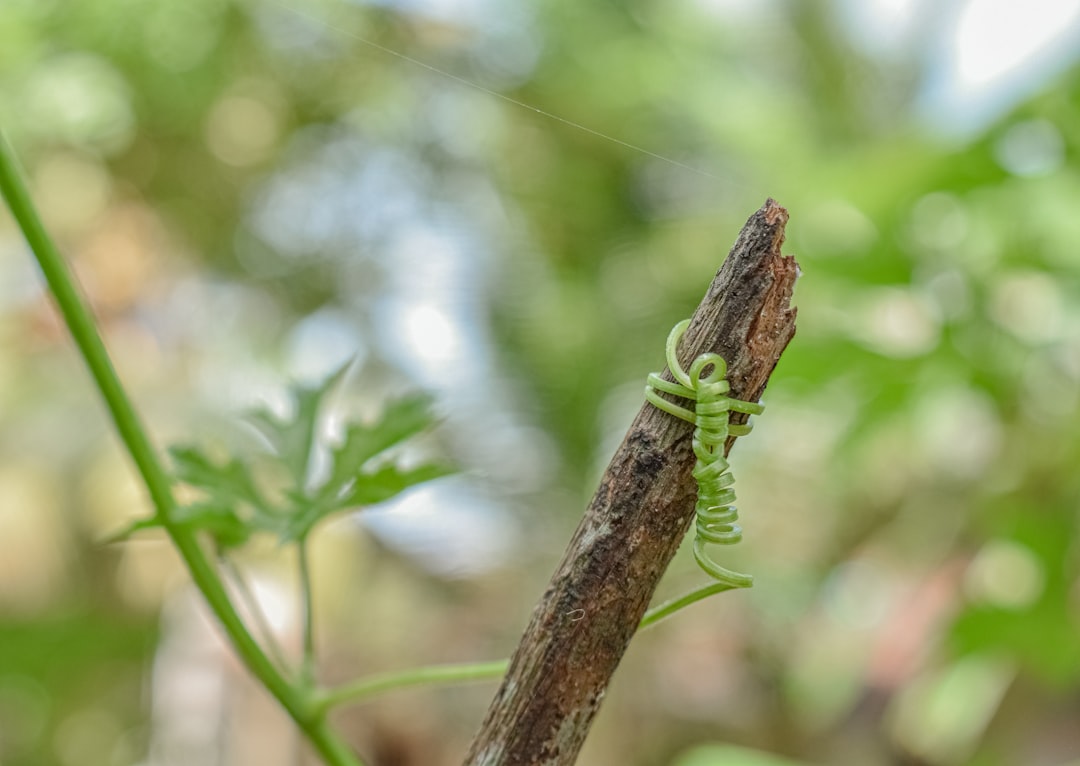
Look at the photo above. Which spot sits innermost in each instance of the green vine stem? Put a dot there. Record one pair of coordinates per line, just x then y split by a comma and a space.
358, 691
668, 608
80, 322
364, 688
248, 601
307, 664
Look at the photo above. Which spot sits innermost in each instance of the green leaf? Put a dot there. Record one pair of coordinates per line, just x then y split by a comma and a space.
221, 522
230, 480
401, 420
389, 481
292, 438
235, 508
368, 489
127, 532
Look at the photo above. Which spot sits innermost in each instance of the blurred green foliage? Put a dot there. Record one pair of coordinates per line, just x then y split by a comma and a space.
910, 498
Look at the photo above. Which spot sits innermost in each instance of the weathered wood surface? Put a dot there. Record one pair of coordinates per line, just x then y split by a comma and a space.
636, 520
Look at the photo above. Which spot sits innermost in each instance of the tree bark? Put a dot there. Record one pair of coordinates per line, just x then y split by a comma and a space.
636, 520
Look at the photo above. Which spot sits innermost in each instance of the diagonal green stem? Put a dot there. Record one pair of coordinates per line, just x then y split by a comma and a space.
361, 689
668, 608
307, 664
432, 674
80, 322
248, 601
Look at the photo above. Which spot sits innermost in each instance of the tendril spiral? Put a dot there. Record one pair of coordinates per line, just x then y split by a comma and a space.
716, 515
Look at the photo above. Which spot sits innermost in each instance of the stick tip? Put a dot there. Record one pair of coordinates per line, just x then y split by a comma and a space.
774, 213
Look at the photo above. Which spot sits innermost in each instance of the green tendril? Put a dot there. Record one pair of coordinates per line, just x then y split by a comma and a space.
705, 385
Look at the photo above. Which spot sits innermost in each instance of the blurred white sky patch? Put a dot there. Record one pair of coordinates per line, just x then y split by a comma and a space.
982, 56
997, 53
431, 336
431, 325
448, 527
978, 58
995, 37
882, 26
427, 323
321, 343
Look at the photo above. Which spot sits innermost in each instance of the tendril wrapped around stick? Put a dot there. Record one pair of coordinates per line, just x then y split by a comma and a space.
715, 513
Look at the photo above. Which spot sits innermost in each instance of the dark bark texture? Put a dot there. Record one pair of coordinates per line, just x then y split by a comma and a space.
636, 520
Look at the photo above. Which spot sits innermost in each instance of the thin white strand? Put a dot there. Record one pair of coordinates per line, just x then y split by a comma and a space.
496, 94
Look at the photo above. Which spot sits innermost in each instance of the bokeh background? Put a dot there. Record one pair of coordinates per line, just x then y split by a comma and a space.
253, 191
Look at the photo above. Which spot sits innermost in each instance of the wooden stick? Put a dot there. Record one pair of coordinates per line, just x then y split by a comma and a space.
636, 520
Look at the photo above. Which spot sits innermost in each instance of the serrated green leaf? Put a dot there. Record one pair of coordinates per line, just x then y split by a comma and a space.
389, 481
399, 421
230, 480
126, 532
368, 489
221, 522
292, 438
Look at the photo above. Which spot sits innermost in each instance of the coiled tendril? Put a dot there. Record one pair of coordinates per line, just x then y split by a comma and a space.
716, 515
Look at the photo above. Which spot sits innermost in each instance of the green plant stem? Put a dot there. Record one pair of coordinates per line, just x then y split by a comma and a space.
432, 674
249, 601
307, 664
80, 322
668, 608
363, 688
